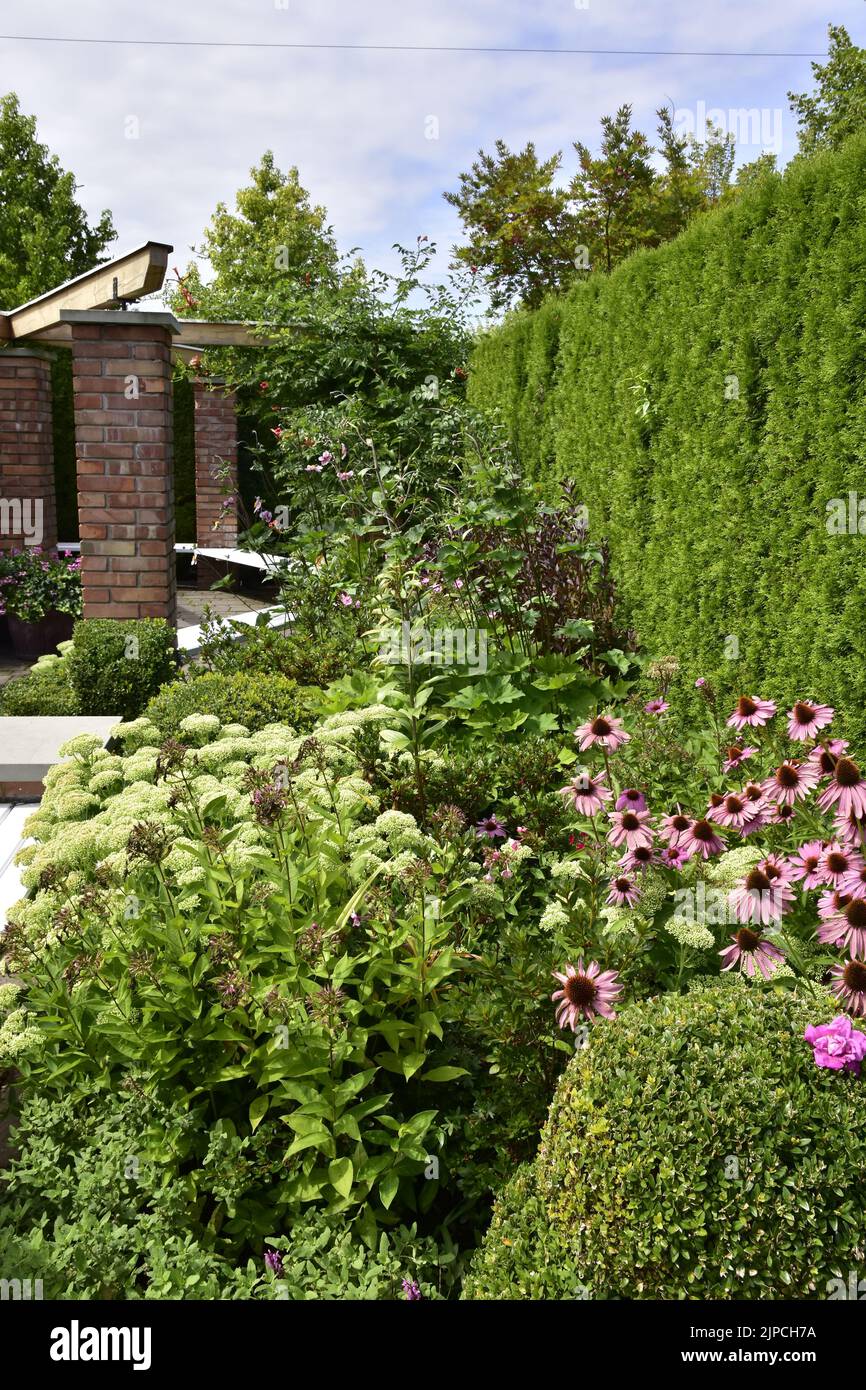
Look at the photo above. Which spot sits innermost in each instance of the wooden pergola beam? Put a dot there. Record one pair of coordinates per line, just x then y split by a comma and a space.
139, 272
201, 333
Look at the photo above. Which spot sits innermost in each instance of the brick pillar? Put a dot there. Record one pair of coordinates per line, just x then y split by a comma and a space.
123, 442
28, 511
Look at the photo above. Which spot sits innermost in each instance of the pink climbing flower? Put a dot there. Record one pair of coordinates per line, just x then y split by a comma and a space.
839, 1046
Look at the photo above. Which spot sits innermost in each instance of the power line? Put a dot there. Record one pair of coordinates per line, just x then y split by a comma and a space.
400, 47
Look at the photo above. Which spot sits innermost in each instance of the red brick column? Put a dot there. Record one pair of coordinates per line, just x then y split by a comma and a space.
28, 511
123, 441
216, 465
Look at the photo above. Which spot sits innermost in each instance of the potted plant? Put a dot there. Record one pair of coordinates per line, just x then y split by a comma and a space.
40, 594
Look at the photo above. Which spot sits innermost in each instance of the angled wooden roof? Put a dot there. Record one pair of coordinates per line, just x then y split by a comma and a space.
111, 287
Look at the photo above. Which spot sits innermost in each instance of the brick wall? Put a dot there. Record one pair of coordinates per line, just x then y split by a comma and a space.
28, 513
123, 441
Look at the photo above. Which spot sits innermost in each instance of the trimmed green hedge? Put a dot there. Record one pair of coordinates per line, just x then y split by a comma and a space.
693, 1150
253, 698
708, 398
116, 666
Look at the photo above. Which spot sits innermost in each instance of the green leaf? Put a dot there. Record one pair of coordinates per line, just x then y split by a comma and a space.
388, 1188
443, 1074
258, 1110
341, 1175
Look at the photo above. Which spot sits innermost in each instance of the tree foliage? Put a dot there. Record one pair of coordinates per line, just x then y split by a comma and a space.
532, 232
837, 108
45, 236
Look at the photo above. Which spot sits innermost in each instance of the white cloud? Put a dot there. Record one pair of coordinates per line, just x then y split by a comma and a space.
354, 122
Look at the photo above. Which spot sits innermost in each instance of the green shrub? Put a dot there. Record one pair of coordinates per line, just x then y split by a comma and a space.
88, 1209
309, 654
693, 1150
115, 667
44, 690
255, 699
719, 377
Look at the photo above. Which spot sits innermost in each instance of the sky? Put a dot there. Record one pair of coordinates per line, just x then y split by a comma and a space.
161, 134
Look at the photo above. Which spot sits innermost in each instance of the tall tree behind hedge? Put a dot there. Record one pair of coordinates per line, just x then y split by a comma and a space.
45, 237
837, 108
521, 231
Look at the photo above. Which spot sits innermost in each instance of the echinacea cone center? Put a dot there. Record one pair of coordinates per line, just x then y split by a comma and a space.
756, 882
748, 940
854, 976
847, 773
855, 913
579, 990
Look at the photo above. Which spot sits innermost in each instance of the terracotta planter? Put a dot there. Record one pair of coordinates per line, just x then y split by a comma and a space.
42, 637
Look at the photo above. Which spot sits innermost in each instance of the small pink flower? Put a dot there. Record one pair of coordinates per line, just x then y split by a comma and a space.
630, 828
752, 952
850, 986
277, 432
836, 862
675, 826
624, 892
734, 756
657, 706
586, 794
631, 800
673, 857
346, 600
805, 864
805, 719
701, 838
604, 731
751, 711
637, 860
846, 789
791, 782
700, 682
586, 993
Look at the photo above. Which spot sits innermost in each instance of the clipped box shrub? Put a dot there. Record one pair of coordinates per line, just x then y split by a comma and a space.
693, 1150
44, 690
255, 699
116, 666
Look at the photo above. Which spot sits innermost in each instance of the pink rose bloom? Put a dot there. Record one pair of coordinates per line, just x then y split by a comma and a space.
837, 1045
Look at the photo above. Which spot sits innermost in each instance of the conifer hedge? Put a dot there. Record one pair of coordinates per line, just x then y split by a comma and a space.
708, 398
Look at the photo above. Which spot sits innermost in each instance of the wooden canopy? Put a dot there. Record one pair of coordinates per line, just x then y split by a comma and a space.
112, 286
